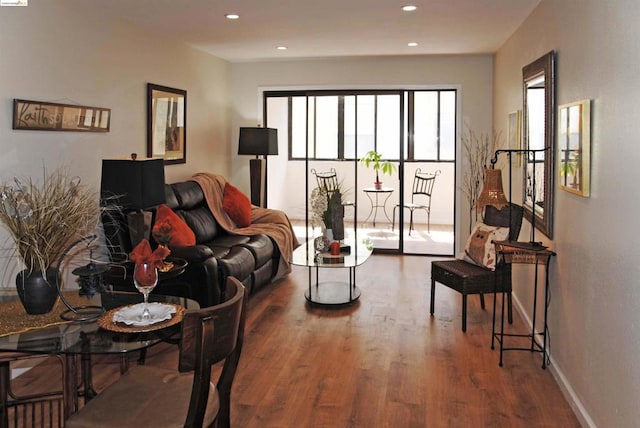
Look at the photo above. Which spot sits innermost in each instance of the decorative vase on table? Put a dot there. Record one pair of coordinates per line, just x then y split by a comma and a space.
337, 221
42, 219
327, 237
38, 294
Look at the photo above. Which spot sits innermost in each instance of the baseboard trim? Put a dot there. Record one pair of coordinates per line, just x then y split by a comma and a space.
565, 387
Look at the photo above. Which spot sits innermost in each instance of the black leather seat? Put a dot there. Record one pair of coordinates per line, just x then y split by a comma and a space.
237, 256
253, 260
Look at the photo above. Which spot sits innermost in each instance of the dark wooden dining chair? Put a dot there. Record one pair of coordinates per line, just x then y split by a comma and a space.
41, 407
421, 192
468, 278
159, 397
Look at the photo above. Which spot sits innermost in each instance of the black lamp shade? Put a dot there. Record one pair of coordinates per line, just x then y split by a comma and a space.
136, 184
258, 141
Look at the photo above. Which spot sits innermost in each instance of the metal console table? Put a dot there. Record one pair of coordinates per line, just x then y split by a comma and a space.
524, 253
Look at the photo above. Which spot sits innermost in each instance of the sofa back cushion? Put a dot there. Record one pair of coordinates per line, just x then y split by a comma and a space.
192, 207
201, 221
170, 197
188, 194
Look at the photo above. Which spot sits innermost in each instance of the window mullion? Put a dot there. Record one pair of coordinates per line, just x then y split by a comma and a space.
438, 139
375, 122
410, 127
341, 127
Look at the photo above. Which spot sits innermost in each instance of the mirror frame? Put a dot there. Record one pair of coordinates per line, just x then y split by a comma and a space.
544, 65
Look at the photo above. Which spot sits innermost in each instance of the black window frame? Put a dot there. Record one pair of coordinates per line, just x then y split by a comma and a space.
341, 94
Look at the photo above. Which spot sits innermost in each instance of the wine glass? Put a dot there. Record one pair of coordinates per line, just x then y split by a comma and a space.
145, 278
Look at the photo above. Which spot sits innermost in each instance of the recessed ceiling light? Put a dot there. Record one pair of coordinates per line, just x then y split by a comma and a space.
232, 16
412, 44
409, 8
281, 48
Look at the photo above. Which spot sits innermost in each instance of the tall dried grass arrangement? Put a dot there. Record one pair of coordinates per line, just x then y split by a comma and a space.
44, 219
478, 150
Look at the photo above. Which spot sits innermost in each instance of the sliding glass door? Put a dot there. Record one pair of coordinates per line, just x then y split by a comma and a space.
332, 130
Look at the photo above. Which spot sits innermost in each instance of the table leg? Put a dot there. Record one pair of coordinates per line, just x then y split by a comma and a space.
535, 306
352, 282
87, 378
5, 378
501, 330
332, 293
546, 306
373, 205
70, 385
384, 207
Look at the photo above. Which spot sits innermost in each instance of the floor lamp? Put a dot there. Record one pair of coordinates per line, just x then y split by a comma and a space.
259, 142
493, 194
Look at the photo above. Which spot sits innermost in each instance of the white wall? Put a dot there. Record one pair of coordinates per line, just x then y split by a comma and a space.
58, 50
471, 74
595, 303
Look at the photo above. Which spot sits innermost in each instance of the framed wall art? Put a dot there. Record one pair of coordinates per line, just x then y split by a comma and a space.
46, 116
574, 147
167, 123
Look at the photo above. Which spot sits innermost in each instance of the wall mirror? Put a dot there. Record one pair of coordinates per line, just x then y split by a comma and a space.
167, 123
539, 112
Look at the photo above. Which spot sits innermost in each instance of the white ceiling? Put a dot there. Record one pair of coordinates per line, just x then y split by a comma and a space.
327, 28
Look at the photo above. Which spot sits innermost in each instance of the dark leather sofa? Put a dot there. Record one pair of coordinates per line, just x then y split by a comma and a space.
217, 254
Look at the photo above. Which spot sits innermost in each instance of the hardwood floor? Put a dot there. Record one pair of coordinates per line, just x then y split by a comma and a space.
382, 362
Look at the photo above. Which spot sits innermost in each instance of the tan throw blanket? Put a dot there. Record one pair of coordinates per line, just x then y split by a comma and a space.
273, 223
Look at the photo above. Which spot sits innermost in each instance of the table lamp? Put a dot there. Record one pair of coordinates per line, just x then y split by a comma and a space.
135, 185
493, 194
259, 142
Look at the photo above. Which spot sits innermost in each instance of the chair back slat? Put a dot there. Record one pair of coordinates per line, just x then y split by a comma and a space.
225, 317
423, 183
211, 335
327, 180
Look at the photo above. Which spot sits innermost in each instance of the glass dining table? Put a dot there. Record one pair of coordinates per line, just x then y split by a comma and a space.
76, 342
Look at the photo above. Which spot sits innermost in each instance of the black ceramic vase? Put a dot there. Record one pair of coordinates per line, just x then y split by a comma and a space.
37, 294
337, 222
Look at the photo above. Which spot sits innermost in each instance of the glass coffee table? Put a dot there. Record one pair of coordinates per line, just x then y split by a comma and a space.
332, 293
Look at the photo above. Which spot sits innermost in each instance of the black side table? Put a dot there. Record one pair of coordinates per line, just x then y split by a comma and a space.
524, 253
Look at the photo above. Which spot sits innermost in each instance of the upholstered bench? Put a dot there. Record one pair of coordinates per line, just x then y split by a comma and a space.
467, 278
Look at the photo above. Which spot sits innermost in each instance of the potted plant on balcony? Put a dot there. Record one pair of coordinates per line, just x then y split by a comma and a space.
374, 159
43, 220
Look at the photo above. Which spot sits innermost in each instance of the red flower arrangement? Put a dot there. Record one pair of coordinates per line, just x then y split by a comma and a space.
143, 254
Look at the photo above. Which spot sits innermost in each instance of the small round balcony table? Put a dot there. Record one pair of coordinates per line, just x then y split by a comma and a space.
378, 199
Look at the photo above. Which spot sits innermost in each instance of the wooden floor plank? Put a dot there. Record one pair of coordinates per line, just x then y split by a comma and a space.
382, 362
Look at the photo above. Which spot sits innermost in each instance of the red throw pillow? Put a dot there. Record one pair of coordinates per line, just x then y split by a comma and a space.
236, 205
181, 233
